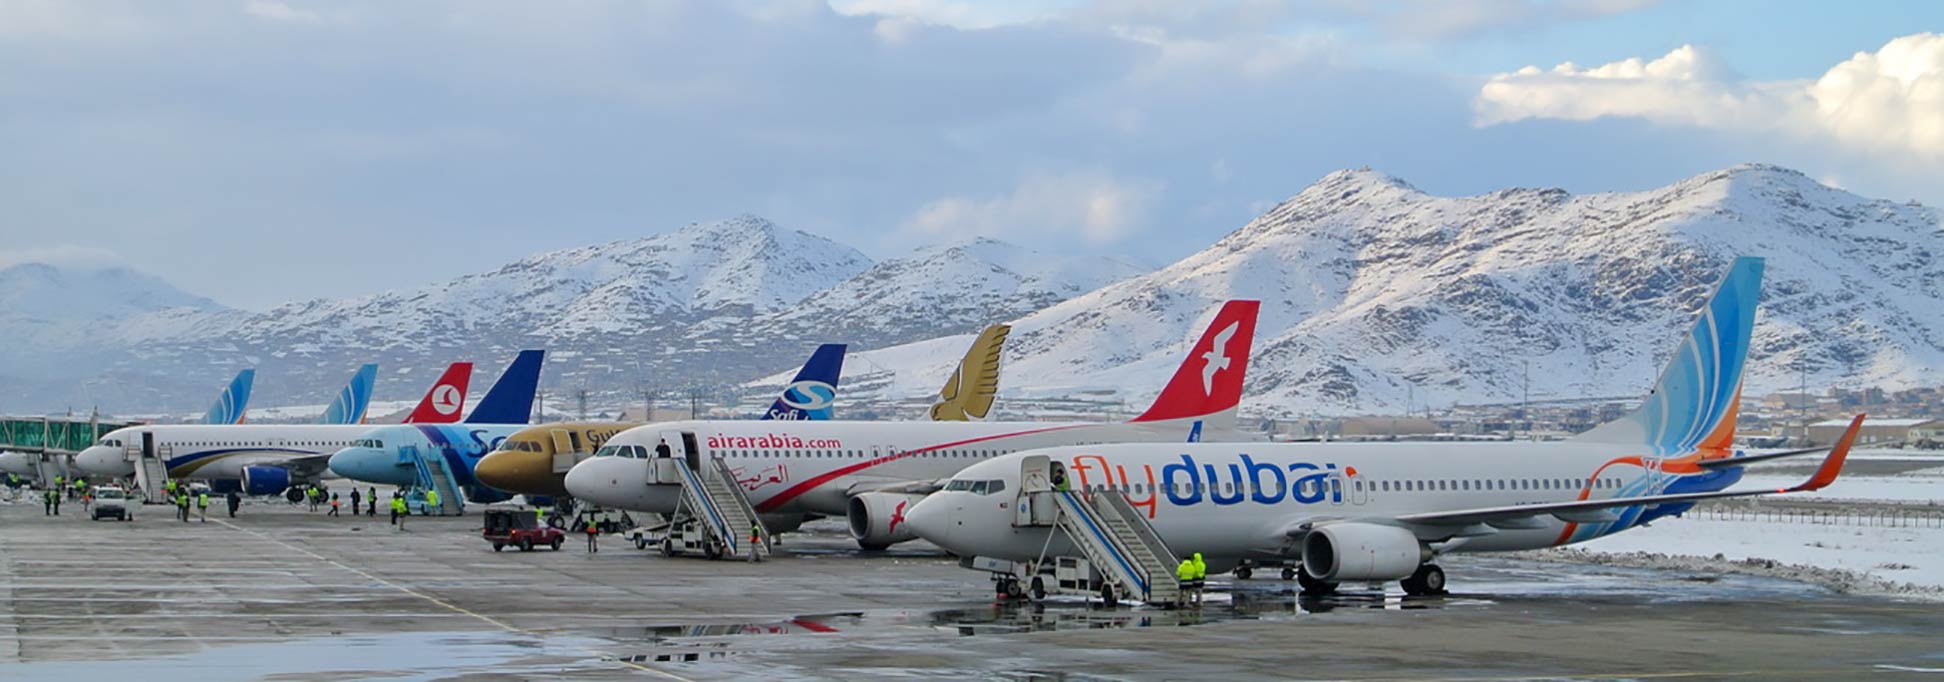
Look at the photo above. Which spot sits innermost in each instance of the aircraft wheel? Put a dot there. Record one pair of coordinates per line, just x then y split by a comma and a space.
1243, 572
711, 550
1314, 587
1289, 573
1038, 590
1428, 580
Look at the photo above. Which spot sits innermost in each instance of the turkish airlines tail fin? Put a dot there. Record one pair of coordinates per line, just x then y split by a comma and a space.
510, 400
1694, 404
810, 394
351, 403
230, 406
1208, 385
968, 395
447, 399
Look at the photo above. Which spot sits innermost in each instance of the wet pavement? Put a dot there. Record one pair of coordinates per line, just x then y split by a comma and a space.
282, 593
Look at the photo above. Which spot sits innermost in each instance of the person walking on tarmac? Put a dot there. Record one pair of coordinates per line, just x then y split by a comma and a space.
371, 503
52, 500
398, 511
431, 500
334, 504
235, 501
182, 504
755, 537
593, 538
354, 501
1201, 577
202, 506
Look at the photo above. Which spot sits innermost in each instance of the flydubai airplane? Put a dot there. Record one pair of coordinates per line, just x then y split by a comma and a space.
267, 458
871, 472
228, 409
1373, 512
387, 455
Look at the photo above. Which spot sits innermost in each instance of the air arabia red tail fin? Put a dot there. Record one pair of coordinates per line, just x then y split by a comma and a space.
1208, 386
447, 400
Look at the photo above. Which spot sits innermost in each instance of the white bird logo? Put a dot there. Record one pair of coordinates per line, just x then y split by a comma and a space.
1215, 360
446, 399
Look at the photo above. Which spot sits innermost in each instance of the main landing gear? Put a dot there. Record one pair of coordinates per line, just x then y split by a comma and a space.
1429, 580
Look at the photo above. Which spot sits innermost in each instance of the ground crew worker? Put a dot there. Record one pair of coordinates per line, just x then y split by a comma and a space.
1185, 573
312, 493
235, 500
202, 506
60, 485
182, 505
81, 491
661, 449
1201, 577
371, 507
1060, 479
593, 535
431, 500
169, 486
334, 504
398, 511
53, 501
755, 536
354, 501
540, 517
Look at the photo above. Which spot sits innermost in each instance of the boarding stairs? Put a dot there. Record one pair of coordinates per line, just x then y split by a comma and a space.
433, 474
151, 473
1120, 543
716, 502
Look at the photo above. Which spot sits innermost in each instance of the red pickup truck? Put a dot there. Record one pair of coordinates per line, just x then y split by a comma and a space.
520, 529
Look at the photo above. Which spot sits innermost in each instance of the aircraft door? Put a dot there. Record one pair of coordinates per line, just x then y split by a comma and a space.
1359, 490
148, 445
574, 441
561, 443
1034, 505
694, 450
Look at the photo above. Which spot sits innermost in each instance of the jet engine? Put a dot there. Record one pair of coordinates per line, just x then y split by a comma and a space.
1340, 552
265, 480
877, 519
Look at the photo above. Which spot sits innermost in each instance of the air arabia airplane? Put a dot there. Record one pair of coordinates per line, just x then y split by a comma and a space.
871, 472
385, 455
266, 458
1370, 512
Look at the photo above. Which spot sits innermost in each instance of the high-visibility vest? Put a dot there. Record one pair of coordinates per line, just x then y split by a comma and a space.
398, 504
1186, 571
432, 497
202, 500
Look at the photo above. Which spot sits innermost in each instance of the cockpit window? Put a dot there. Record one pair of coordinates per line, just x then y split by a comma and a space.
959, 484
994, 486
985, 487
608, 451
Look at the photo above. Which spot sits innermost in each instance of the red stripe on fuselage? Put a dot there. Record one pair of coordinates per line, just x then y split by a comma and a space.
814, 482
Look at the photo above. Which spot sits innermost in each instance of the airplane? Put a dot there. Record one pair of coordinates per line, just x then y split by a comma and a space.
268, 458
870, 472
523, 462
234, 401
388, 455
1372, 512
351, 403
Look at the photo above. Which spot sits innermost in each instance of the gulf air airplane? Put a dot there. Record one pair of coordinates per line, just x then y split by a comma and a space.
871, 472
267, 458
1371, 512
387, 455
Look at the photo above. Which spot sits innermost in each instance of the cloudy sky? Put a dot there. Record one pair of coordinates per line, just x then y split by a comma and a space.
266, 150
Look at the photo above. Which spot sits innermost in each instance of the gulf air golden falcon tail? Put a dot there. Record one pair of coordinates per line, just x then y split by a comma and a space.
969, 393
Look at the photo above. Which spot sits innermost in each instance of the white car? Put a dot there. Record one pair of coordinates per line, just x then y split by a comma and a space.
110, 501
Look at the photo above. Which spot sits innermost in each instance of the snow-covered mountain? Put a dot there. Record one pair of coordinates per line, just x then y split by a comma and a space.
1376, 294
55, 319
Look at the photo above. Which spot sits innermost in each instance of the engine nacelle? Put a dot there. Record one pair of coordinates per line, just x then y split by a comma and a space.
265, 480
1340, 552
877, 519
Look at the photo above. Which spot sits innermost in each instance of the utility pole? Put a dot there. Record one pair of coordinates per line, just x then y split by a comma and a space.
1525, 394
1802, 401
580, 397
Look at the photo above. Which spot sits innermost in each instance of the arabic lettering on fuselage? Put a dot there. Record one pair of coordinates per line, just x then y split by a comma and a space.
1188, 482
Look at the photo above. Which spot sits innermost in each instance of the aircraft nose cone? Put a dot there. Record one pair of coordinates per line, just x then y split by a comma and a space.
508, 471
592, 480
369, 465
930, 520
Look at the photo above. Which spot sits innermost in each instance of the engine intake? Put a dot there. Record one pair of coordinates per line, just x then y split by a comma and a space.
265, 480
1341, 552
877, 519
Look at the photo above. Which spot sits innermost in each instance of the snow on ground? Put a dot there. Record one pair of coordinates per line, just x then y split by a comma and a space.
1863, 559
1922, 488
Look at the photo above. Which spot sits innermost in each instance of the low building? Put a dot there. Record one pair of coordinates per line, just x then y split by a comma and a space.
1878, 431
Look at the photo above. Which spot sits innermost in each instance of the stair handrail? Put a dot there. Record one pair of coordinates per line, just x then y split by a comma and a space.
696, 487
742, 499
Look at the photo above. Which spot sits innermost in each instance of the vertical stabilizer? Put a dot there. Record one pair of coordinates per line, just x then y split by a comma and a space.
351, 403
1693, 406
969, 393
446, 400
510, 400
1208, 385
234, 401
814, 390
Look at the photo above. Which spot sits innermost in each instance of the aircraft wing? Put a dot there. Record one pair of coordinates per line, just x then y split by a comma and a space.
308, 467
1574, 511
920, 487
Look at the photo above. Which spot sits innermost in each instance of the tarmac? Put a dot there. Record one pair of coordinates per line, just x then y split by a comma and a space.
284, 593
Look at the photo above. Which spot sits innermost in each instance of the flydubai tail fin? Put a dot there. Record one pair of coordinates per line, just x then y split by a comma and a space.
230, 406
968, 395
351, 403
1208, 385
811, 394
444, 403
510, 400
1694, 404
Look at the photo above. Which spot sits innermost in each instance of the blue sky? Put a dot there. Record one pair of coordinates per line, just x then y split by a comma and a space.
269, 150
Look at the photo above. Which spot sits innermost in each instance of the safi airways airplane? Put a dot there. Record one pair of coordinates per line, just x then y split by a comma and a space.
871, 472
1386, 511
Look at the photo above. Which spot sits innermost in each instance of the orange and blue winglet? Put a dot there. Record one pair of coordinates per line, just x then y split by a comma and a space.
1832, 465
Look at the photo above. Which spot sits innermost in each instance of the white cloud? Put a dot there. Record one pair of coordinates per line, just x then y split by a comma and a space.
1889, 100
1094, 206
953, 13
272, 10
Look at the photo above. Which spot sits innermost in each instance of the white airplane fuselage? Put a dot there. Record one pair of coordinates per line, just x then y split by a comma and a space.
1242, 501
215, 452
813, 467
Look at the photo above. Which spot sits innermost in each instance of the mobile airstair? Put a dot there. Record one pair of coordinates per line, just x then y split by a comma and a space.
151, 472
433, 474
1121, 555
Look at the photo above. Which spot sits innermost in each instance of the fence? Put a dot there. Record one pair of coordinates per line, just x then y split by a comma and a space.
1888, 518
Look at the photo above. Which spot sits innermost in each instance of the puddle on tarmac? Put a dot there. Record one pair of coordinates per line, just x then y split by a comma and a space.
393, 656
